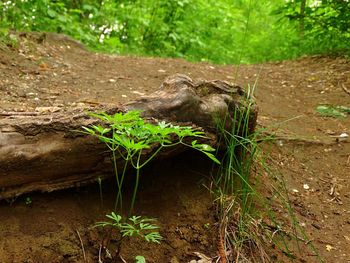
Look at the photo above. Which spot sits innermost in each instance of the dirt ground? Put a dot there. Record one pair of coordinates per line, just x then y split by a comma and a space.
49, 73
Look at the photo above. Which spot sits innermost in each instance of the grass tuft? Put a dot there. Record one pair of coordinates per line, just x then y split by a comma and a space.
249, 227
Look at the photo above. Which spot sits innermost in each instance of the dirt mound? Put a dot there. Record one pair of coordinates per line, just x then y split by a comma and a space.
45, 72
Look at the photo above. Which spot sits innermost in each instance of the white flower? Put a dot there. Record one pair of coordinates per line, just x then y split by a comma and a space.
315, 3
101, 39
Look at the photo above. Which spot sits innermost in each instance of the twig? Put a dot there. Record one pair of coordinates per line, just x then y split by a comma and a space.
288, 233
99, 254
16, 113
91, 102
122, 259
221, 245
296, 139
345, 89
82, 245
221, 248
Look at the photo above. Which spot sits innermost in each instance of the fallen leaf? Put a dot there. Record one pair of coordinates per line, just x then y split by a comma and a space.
43, 66
202, 258
329, 247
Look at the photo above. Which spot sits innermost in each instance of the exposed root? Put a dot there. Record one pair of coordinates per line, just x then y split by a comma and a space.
221, 245
82, 245
240, 238
345, 89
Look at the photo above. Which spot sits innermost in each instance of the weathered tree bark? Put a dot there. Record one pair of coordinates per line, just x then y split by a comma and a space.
44, 152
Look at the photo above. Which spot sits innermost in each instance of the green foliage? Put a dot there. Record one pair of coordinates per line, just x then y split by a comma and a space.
324, 24
243, 207
130, 136
136, 226
28, 201
239, 157
140, 259
243, 31
333, 111
232, 185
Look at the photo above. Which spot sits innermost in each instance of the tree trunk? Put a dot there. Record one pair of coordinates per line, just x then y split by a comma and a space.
41, 152
302, 19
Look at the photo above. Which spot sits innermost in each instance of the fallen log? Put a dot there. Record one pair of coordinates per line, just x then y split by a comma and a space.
43, 152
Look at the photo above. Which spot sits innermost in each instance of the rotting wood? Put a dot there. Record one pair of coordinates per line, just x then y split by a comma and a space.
45, 153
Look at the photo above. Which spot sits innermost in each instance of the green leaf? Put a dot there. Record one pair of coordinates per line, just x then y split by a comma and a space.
331, 111
114, 217
100, 129
135, 219
140, 259
62, 18
202, 147
154, 237
51, 13
88, 130
212, 157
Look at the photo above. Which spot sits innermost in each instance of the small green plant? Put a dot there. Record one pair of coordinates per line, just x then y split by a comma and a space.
129, 137
232, 186
243, 210
135, 226
333, 111
28, 201
140, 259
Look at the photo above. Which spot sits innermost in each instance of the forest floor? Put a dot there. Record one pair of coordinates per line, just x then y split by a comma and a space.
51, 73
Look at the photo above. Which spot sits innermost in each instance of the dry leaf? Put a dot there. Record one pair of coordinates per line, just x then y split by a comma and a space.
329, 247
203, 258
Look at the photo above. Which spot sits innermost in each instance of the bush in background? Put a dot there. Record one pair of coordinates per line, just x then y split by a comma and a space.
243, 31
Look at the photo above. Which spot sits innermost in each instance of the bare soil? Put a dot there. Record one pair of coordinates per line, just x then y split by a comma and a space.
50, 73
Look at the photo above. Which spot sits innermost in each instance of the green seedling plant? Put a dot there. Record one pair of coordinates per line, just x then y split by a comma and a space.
135, 226
134, 143
140, 259
128, 136
333, 111
28, 201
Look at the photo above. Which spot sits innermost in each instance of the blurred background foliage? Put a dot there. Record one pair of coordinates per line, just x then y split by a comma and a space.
219, 31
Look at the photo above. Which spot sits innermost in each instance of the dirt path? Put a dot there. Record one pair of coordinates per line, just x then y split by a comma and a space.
56, 73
